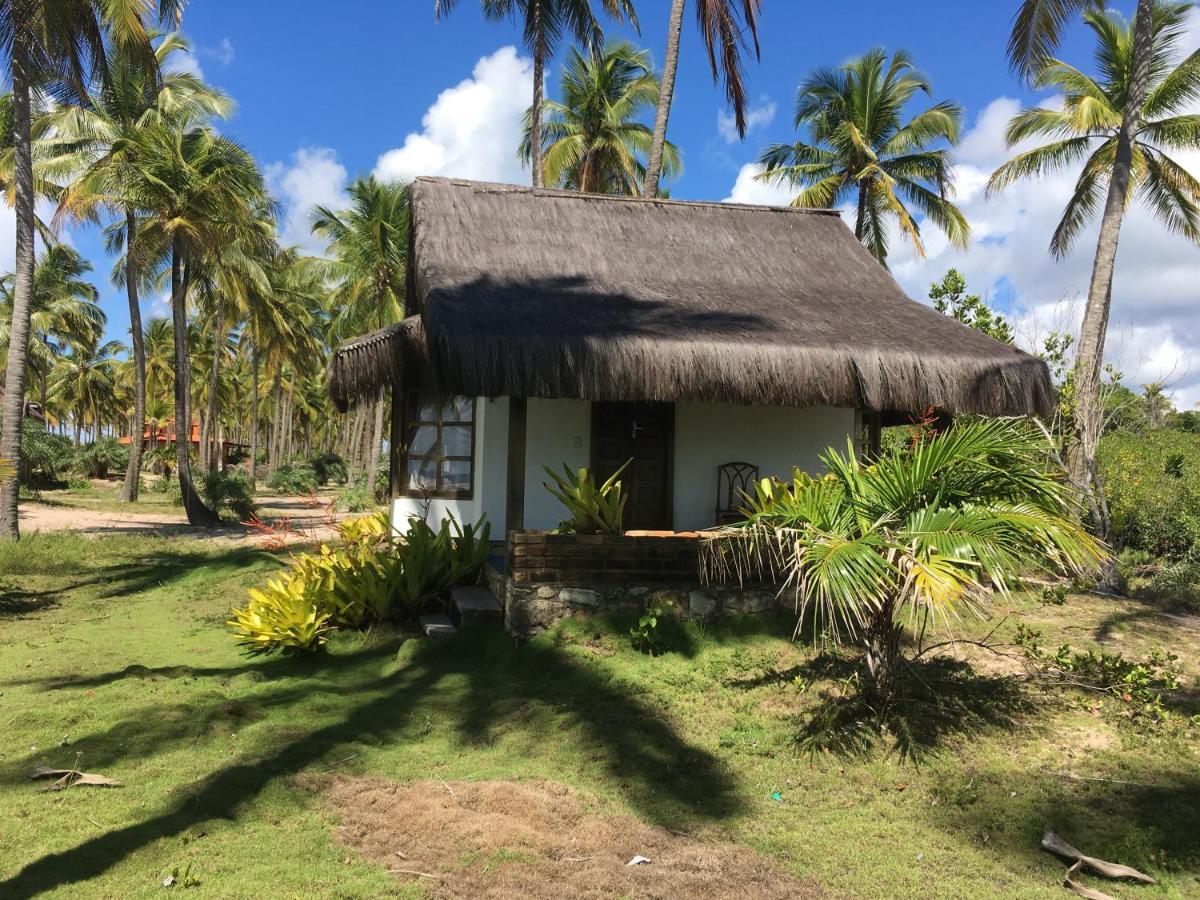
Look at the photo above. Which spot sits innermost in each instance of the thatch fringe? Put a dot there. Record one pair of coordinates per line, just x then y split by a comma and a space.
558, 294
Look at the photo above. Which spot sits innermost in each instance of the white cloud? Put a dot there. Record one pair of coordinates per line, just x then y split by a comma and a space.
223, 52
314, 177
473, 129
748, 189
756, 117
186, 63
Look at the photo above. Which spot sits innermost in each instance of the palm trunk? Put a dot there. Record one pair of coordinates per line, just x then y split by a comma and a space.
276, 409
214, 455
539, 68
197, 512
666, 93
1089, 361
860, 221
18, 333
376, 443
254, 411
133, 472
883, 654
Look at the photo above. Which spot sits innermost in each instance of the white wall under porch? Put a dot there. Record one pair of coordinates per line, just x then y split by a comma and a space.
706, 435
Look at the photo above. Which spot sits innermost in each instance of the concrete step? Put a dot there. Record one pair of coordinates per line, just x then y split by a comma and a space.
472, 605
437, 625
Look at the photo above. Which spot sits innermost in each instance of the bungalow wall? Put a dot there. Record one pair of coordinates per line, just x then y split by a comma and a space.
706, 435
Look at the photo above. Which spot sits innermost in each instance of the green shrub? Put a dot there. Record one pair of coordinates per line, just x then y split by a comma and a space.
355, 498
594, 510
329, 467
1152, 481
434, 561
100, 458
45, 456
230, 494
293, 478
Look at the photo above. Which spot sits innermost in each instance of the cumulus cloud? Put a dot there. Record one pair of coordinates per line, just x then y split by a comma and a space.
748, 189
222, 52
473, 129
186, 63
757, 117
312, 177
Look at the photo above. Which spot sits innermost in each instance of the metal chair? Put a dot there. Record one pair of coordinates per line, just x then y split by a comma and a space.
733, 480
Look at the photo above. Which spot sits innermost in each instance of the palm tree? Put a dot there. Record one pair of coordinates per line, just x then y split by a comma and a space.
1036, 32
89, 142
1087, 128
196, 192
724, 24
918, 534
85, 382
52, 42
859, 146
544, 23
369, 246
65, 311
158, 337
593, 140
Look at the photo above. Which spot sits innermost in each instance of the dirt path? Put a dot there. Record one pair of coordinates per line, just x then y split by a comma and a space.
305, 521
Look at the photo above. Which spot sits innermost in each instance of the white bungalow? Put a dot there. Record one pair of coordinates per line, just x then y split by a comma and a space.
551, 327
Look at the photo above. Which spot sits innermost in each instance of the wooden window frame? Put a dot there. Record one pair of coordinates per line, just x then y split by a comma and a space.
412, 408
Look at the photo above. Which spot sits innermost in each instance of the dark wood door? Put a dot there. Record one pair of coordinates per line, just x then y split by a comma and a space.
644, 433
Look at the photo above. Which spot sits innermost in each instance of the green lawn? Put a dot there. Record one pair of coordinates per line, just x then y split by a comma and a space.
114, 658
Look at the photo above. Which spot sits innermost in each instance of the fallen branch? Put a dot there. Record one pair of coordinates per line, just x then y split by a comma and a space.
1052, 843
411, 872
66, 778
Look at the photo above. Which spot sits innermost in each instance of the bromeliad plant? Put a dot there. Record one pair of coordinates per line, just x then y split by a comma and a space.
594, 510
920, 535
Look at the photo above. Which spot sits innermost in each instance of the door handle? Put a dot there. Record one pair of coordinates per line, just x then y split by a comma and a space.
636, 429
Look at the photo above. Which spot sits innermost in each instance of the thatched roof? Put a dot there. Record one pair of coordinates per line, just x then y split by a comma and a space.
543, 293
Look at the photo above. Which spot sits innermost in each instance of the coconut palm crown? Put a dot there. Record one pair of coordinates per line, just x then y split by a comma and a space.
593, 139
1087, 124
860, 149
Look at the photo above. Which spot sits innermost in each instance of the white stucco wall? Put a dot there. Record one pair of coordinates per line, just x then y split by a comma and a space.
706, 435
774, 439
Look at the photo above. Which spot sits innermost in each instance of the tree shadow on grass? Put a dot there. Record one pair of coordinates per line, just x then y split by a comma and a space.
667, 778
938, 701
15, 604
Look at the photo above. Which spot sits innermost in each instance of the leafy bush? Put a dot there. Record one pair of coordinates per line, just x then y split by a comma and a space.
646, 635
100, 458
229, 494
1152, 481
45, 456
371, 575
594, 510
329, 467
296, 477
355, 498
284, 616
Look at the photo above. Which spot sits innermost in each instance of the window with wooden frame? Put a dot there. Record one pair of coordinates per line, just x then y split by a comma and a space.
439, 447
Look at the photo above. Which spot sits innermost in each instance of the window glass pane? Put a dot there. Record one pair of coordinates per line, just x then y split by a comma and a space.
456, 440
422, 474
456, 475
427, 411
458, 409
423, 441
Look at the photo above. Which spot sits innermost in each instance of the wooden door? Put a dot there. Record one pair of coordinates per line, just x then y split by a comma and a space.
644, 433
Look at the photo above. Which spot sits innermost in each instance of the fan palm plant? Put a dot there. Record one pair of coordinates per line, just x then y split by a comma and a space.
196, 192
918, 534
89, 143
860, 147
1087, 127
1037, 30
593, 140
50, 43
723, 25
544, 23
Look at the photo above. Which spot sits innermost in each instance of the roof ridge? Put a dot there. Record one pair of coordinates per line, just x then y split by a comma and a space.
555, 193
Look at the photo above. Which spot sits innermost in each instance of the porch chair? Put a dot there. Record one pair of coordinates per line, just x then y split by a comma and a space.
733, 480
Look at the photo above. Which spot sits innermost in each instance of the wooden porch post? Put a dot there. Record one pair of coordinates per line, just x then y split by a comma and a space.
396, 441
515, 498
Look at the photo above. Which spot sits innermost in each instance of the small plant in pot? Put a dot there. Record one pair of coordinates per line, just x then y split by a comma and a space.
594, 509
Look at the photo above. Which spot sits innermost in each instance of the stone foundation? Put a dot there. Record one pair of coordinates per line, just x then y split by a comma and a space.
552, 577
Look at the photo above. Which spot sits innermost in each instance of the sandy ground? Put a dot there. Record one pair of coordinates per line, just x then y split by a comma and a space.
305, 521
538, 839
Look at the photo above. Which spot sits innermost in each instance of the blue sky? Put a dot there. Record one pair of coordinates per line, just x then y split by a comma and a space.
328, 91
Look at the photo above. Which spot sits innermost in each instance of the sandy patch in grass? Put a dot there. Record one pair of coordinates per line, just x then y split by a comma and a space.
537, 839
